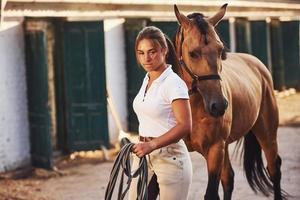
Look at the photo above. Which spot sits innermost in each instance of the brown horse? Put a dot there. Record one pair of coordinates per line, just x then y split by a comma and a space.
231, 97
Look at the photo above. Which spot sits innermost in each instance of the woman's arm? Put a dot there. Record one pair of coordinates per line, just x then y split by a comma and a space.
182, 111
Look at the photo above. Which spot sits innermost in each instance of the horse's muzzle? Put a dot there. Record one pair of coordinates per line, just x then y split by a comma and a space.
217, 109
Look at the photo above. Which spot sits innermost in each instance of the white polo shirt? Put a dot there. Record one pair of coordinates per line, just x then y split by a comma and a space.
154, 109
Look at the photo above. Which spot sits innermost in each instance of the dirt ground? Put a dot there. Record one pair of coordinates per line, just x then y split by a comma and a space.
86, 178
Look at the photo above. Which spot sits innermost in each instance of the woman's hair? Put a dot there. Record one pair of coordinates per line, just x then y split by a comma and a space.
159, 38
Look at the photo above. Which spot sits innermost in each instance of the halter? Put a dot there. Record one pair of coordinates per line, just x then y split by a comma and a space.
194, 76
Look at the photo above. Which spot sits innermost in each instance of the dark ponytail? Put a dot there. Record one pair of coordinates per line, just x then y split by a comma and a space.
171, 56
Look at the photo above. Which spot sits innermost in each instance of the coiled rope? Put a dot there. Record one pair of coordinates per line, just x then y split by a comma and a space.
123, 160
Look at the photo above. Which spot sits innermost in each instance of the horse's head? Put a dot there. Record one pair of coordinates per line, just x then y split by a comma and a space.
201, 52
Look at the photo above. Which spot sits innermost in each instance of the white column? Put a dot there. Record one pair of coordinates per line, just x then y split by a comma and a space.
232, 35
115, 62
14, 126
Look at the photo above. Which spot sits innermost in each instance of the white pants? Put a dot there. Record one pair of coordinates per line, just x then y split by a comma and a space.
173, 167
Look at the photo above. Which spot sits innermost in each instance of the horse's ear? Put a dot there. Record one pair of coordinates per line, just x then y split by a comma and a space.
214, 20
182, 20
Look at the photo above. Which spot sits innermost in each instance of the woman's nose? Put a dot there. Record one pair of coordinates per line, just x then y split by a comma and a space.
147, 57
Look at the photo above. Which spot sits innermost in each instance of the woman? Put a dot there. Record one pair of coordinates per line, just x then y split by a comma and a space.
164, 114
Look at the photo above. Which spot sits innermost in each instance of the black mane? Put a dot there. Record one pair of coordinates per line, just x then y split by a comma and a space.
201, 23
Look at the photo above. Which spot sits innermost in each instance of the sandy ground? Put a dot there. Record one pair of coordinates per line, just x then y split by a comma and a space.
86, 179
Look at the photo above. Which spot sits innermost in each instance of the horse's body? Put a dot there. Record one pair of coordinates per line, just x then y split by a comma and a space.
247, 85
230, 99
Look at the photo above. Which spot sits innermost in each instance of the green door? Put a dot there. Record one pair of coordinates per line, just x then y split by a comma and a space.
242, 31
37, 91
277, 54
291, 53
259, 40
169, 28
223, 31
84, 82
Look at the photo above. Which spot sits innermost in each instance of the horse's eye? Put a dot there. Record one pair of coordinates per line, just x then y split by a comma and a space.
193, 54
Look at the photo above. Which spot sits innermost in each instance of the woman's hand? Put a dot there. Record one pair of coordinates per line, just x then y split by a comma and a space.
143, 148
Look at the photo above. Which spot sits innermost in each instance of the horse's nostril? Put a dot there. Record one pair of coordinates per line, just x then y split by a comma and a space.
218, 109
213, 107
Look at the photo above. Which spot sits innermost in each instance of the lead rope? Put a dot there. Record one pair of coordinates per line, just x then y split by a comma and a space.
123, 160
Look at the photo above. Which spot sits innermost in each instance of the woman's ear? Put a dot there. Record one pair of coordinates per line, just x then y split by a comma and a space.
165, 52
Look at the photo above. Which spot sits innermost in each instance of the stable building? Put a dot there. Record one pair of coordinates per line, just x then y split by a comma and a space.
69, 74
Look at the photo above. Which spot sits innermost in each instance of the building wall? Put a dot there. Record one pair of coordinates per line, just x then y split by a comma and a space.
14, 130
115, 77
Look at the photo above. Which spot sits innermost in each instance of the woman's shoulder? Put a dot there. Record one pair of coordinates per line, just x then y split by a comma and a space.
174, 83
174, 88
173, 78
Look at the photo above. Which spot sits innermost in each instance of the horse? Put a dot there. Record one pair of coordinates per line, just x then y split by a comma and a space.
232, 99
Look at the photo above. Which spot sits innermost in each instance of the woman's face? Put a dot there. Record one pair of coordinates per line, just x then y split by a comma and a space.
150, 56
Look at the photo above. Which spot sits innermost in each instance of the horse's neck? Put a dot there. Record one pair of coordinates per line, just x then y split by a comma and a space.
185, 77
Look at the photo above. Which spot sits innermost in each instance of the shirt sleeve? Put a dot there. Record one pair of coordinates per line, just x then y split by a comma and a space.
175, 88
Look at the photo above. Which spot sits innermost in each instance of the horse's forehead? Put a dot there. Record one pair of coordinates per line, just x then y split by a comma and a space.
196, 36
194, 31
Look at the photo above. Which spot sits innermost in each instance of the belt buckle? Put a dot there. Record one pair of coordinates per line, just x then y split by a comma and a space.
142, 139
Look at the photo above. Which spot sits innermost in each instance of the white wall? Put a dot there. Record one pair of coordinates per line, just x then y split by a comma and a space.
115, 76
14, 129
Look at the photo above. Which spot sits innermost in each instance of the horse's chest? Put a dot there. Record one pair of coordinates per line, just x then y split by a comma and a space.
207, 131
198, 141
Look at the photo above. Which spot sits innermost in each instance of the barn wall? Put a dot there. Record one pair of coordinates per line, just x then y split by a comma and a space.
14, 131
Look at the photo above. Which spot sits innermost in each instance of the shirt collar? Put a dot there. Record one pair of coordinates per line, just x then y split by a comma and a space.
163, 75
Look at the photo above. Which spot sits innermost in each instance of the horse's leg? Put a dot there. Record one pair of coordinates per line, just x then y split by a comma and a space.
227, 176
214, 160
265, 130
153, 188
269, 146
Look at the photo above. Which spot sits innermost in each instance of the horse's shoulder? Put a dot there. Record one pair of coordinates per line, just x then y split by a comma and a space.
252, 63
243, 56
250, 60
